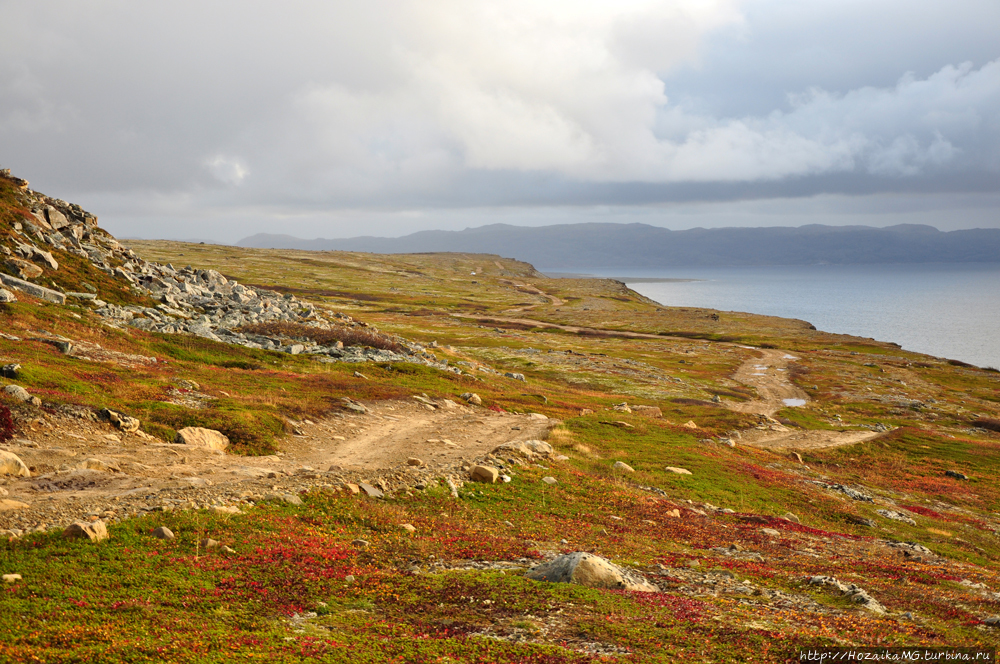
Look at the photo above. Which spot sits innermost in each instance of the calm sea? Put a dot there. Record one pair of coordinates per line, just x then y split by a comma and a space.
946, 310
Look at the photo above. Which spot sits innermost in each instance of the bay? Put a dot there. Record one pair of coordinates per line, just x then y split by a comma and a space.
941, 309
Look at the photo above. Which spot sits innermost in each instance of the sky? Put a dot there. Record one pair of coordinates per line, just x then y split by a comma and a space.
216, 120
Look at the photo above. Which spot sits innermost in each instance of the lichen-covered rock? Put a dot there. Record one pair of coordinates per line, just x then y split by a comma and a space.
586, 569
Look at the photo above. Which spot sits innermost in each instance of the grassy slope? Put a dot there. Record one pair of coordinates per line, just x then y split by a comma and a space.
135, 598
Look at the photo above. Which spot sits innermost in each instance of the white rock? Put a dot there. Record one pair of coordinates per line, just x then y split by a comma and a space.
538, 446
586, 569
679, 471
622, 467
11, 464
199, 437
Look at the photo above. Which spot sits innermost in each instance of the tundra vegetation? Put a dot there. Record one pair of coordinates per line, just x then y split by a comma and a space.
738, 546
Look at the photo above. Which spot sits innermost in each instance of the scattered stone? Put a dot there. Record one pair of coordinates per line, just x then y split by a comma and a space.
516, 376
95, 531
678, 471
11, 578
408, 528
11, 464
690, 425
209, 544
992, 621
622, 467
122, 422
358, 374
771, 531
896, 516
224, 509
648, 411
289, 498
163, 533
349, 578
353, 489
200, 437
487, 474
550, 480
789, 516
851, 493
538, 446
674, 513
370, 491
621, 407
957, 475
854, 592
473, 398
537, 416
360, 543
10, 370
413, 461
99, 465
588, 570
6, 296
6, 504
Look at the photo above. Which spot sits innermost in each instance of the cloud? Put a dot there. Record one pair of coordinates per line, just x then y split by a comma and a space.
328, 105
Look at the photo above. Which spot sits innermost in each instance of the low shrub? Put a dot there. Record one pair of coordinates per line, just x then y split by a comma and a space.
349, 336
6, 423
988, 423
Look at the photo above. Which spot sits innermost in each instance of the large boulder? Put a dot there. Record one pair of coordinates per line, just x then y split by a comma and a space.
94, 531
11, 464
586, 569
22, 269
6, 296
22, 394
199, 437
123, 422
487, 474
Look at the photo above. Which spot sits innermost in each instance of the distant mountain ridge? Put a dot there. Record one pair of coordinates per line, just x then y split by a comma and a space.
641, 245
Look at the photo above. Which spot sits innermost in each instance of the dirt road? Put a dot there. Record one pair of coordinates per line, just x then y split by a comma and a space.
80, 467
768, 375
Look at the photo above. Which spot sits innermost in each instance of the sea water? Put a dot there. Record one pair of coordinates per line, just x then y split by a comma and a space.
945, 310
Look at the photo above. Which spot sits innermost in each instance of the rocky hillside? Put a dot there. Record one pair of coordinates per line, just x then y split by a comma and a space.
161, 298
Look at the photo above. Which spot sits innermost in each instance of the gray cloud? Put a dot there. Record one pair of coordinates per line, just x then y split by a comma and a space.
207, 113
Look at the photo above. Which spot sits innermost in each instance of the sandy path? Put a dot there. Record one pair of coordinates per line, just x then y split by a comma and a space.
768, 374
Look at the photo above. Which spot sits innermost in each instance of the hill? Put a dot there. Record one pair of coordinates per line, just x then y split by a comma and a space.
581, 246
214, 453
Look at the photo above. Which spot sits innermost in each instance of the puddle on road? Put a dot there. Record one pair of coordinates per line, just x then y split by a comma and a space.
792, 403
